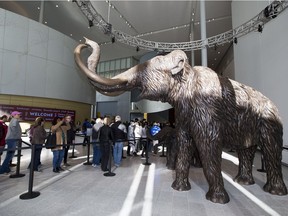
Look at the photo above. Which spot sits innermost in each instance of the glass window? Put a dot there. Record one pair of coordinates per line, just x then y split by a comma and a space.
117, 66
123, 63
112, 65
128, 65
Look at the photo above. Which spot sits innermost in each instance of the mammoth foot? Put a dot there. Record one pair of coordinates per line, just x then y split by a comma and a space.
181, 185
218, 196
278, 189
244, 180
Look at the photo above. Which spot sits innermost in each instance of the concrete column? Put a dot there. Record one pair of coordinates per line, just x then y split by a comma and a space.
41, 11
192, 39
203, 32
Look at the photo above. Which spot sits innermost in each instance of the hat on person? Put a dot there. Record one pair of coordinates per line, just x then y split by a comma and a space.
15, 113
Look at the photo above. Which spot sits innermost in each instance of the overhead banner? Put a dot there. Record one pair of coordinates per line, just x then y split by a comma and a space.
31, 113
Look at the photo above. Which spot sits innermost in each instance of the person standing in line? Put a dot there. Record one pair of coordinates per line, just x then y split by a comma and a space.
95, 140
144, 141
86, 124
60, 128
3, 132
120, 134
105, 138
38, 138
70, 138
131, 138
137, 135
13, 137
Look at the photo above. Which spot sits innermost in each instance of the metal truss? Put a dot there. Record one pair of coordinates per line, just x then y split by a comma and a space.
254, 24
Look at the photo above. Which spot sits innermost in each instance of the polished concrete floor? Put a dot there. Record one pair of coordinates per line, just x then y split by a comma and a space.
135, 190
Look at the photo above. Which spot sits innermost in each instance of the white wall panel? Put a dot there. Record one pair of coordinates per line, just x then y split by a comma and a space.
13, 72
55, 46
1, 64
38, 39
35, 76
56, 80
2, 27
68, 51
16, 33
38, 61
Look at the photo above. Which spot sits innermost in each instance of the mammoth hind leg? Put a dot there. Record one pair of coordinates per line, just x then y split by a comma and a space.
246, 157
272, 157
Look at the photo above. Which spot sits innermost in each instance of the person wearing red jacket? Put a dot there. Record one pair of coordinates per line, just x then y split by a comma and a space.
3, 132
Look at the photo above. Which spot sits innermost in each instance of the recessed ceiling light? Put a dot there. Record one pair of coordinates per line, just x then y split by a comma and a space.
218, 52
57, 5
45, 22
71, 35
38, 8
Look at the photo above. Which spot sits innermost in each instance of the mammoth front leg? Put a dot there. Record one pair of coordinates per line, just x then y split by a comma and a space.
181, 182
172, 152
210, 154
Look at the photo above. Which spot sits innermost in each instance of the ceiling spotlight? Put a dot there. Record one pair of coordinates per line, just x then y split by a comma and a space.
260, 28
113, 39
91, 23
137, 49
235, 40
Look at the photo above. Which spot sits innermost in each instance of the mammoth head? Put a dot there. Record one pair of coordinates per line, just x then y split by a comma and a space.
153, 77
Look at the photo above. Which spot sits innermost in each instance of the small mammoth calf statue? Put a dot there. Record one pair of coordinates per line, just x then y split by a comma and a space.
211, 112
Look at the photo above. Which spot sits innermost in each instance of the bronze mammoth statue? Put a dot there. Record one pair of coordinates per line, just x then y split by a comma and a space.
211, 112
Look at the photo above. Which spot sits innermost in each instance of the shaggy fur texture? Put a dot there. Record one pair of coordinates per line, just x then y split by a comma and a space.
211, 112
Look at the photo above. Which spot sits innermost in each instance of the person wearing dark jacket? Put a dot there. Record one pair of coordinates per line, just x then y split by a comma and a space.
105, 138
70, 138
38, 136
120, 134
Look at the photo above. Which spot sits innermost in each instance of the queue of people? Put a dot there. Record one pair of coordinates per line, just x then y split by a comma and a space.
108, 138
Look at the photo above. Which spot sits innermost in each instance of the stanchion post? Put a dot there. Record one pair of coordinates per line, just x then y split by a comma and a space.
109, 173
88, 153
31, 194
18, 174
146, 154
163, 155
263, 169
73, 149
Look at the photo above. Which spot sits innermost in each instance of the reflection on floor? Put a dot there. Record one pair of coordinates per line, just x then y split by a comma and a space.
135, 190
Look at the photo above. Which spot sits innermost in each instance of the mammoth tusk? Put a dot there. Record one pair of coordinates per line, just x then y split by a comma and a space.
111, 94
90, 74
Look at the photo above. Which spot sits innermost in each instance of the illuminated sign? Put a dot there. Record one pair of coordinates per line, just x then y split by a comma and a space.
30, 113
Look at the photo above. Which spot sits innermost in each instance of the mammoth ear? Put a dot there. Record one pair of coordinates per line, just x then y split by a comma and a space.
179, 67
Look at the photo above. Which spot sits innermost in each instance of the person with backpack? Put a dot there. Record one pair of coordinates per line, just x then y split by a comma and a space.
3, 132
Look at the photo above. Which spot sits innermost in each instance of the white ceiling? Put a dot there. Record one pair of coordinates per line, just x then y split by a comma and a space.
158, 17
